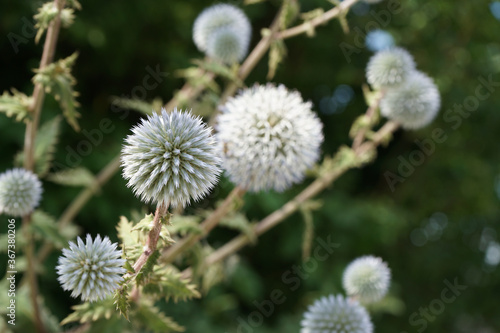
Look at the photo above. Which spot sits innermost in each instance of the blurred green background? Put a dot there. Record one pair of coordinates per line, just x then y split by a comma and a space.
441, 223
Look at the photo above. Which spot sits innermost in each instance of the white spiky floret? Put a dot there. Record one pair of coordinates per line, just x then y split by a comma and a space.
367, 278
269, 137
414, 104
92, 270
225, 45
20, 192
389, 68
217, 18
336, 314
170, 159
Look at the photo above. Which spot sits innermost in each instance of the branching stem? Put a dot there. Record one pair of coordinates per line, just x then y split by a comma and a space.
293, 205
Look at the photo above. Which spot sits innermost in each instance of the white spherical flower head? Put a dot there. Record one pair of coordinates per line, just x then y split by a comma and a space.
414, 104
389, 68
218, 18
367, 278
20, 192
335, 314
226, 46
91, 270
269, 138
170, 159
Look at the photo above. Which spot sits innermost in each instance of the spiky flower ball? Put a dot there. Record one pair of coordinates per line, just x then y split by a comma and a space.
20, 192
226, 45
170, 158
223, 31
367, 278
270, 137
414, 104
91, 270
336, 314
389, 68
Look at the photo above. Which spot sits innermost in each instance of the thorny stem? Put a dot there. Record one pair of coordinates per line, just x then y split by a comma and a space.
152, 239
293, 205
206, 226
29, 148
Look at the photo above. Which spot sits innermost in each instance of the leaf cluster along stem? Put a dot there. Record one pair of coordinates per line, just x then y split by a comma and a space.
49, 48
325, 17
189, 92
293, 205
206, 226
29, 147
152, 239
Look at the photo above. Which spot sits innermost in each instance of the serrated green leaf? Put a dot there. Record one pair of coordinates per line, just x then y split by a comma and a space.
57, 80
72, 177
45, 147
289, 13
130, 241
45, 227
129, 268
138, 105
152, 319
277, 53
91, 311
166, 283
239, 221
15, 105
230, 73
183, 225
146, 270
121, 300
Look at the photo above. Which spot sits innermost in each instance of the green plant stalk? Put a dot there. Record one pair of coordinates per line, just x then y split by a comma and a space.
171, 253
29, 146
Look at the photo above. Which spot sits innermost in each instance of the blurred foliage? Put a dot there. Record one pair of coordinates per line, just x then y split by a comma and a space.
436, 225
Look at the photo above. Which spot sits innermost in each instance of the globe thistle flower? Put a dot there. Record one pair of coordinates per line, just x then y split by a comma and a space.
335, 314
269, 136
170, 158
389, 68
92, 270
414, 104
20, 192
225, 45
222, 29
367, 278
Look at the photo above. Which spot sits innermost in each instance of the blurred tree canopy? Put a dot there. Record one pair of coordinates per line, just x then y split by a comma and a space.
438, 222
